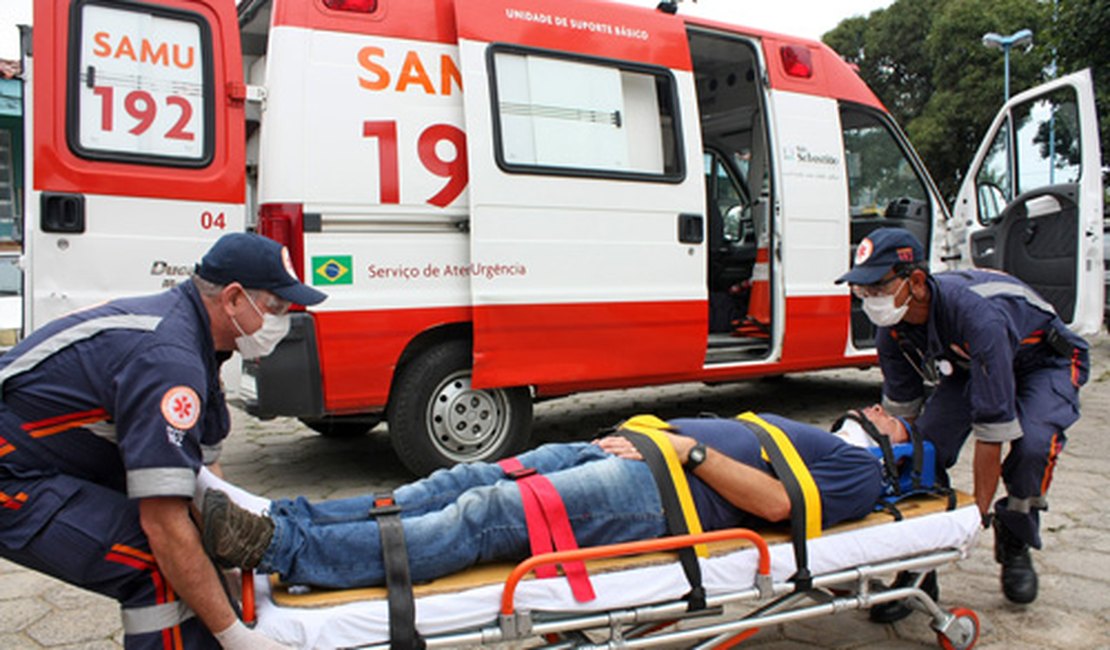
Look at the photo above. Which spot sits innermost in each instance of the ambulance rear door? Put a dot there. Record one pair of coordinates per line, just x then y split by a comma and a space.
586, 192
1031, 204
137, 151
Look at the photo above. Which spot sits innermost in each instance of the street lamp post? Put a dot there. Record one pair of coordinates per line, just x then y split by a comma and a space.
997, 41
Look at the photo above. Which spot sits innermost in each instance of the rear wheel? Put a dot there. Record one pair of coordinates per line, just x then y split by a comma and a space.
342, 426
436, 419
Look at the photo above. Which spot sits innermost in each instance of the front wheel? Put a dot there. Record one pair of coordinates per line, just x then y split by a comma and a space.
436, 419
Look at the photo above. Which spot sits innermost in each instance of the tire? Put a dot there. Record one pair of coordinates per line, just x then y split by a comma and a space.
437, 420
342, 426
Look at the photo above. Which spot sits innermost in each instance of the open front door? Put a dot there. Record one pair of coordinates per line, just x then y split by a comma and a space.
587, 197
138, 147
1032, 200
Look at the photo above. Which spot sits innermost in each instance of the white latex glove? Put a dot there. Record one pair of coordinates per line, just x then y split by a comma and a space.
241, 637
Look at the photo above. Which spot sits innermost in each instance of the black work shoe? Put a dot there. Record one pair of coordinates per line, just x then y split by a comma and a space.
896, 610
234, 537
1019, 578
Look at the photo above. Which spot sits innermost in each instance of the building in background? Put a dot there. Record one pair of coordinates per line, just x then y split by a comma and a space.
11, 200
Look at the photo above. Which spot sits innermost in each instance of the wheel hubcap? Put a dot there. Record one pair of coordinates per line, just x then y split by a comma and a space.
466, 423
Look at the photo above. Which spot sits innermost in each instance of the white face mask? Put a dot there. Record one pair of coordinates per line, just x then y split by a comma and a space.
263, 341
882, 311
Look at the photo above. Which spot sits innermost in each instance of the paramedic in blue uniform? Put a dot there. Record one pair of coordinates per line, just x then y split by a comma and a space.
108, 414
471, 513
1005, 368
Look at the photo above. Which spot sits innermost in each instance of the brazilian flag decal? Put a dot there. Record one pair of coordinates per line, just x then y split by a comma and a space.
332, 270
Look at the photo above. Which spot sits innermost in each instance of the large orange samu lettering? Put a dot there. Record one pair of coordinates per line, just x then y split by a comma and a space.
412, 73
152, 53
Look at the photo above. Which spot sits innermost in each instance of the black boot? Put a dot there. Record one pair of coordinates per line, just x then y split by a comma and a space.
896, 610
1019, 578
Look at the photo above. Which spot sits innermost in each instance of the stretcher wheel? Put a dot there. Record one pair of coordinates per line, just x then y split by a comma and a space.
963, 633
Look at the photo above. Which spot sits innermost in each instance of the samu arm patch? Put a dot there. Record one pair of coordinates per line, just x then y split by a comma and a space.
181, 407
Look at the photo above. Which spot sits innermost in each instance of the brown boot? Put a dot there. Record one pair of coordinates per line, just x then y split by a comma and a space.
233, 536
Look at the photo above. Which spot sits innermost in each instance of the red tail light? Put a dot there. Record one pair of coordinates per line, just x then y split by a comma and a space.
360, 6
797, 61
284, 223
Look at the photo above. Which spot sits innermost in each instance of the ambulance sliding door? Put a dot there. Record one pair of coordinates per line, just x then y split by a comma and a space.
1032, 201
138, 160
586, 193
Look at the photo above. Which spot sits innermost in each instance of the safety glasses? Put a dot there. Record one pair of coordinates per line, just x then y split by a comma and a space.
874, 290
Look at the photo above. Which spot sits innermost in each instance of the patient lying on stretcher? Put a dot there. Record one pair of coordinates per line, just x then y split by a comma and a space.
474, 513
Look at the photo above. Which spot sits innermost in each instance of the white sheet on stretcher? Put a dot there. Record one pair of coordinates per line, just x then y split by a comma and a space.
368, 621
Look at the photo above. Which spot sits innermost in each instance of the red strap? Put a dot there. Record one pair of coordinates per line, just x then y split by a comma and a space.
546, 517
539, 536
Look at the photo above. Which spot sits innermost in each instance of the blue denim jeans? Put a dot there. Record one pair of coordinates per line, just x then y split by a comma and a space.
461, 516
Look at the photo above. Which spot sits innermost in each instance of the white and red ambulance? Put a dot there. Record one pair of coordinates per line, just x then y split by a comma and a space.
514, 199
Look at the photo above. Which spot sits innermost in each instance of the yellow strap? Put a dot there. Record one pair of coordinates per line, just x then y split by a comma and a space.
809, 488
653, 428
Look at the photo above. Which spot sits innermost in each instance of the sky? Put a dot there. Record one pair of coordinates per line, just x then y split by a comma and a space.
809, 18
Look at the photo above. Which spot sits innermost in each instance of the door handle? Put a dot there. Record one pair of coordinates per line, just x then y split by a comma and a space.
62, 213
691, 228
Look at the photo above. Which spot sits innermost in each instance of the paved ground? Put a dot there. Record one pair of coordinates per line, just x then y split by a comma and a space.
282, 458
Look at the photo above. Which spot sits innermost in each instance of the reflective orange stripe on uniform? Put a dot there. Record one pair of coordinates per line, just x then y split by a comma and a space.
6, 447
1034, 337
12, 503
1075, 365
1054, 449
163, 592
60, 423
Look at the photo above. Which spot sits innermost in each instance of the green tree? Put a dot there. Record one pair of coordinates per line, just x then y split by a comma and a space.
926, 62
1079, 35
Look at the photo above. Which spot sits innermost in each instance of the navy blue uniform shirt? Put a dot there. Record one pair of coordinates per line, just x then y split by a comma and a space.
986, 327
126, 395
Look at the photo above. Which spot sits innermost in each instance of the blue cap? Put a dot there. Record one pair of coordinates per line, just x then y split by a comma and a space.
256, 262
879, 252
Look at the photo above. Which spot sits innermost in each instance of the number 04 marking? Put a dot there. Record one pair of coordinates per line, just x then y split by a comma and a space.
454, 170
208, 221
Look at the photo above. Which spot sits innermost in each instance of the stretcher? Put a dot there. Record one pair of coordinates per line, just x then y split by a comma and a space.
639, 603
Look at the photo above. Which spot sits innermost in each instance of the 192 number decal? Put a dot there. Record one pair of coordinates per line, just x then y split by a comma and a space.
141, 106
454, 170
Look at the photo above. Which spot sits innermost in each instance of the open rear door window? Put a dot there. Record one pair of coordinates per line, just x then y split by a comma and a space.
140, 88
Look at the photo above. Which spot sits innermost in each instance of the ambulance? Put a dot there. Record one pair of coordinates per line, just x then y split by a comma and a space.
512, 200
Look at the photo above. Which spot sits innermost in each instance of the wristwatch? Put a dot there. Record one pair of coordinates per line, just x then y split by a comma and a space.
696, 456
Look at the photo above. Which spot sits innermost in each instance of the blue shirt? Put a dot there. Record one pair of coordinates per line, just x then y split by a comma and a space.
848, 478
126, 395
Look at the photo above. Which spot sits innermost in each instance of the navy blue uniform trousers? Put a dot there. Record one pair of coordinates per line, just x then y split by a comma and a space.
93, 540
1047, 403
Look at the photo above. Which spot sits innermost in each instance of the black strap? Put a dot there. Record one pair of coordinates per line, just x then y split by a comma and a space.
890, 508
918, 454
802, 579
672, 510
890, 467
948, 493
1059, 342
398, 581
